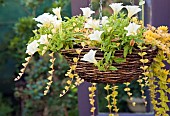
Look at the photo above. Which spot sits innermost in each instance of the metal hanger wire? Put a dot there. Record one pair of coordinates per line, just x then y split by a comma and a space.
90, 5
100, 11
132, 2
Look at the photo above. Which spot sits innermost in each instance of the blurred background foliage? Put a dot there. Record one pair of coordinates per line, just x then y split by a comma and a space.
28, 99
5, 106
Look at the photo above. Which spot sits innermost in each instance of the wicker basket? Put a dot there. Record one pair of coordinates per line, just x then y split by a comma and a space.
127, 71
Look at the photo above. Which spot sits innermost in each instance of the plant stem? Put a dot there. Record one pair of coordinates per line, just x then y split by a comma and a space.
143, 13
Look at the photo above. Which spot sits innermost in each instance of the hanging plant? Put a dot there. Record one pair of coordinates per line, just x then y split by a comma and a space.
115, 49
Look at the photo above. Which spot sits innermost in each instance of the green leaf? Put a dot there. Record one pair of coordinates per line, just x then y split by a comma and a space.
168, 61
59, 46
112, 68
70, 39
126, 49
102, 68
139, 41
120, 60
66, 18
67, 47
108, 55
141, 48
130, 50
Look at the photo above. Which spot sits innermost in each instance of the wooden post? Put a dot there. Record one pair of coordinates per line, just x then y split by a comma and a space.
83, 93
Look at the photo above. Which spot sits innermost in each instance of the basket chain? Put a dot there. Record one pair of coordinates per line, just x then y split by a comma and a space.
90, 5
100, 12
132, 2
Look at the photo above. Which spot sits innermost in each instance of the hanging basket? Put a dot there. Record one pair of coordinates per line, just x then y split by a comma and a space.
127, 71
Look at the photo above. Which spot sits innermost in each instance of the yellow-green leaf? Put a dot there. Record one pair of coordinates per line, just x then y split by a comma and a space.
142, 54
144, 60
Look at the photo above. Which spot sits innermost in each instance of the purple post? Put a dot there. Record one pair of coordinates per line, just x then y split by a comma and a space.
77, 4
158, 15
83, 100
83, 93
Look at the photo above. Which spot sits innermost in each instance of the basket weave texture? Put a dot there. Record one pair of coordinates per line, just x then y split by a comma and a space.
127, 71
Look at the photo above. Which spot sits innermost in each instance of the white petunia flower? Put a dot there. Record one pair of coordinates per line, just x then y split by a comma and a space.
132, 29
90, 57
132, 10
92, 23
87, 11
96, 35
43, 39
57, 23
45, 19
104, 20
32, 47
116, 7
57, 11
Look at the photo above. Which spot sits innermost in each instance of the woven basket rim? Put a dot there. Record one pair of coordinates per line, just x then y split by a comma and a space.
130, 70
150, 47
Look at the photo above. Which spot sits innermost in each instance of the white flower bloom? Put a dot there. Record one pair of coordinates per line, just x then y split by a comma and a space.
92, 23
132, 10
43, 39
45, 19
90, 57
39, 25
116, 7
50, 36
57, 11
96, 35
32, 47
104, 20
87, 12
57, 23
132, 29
